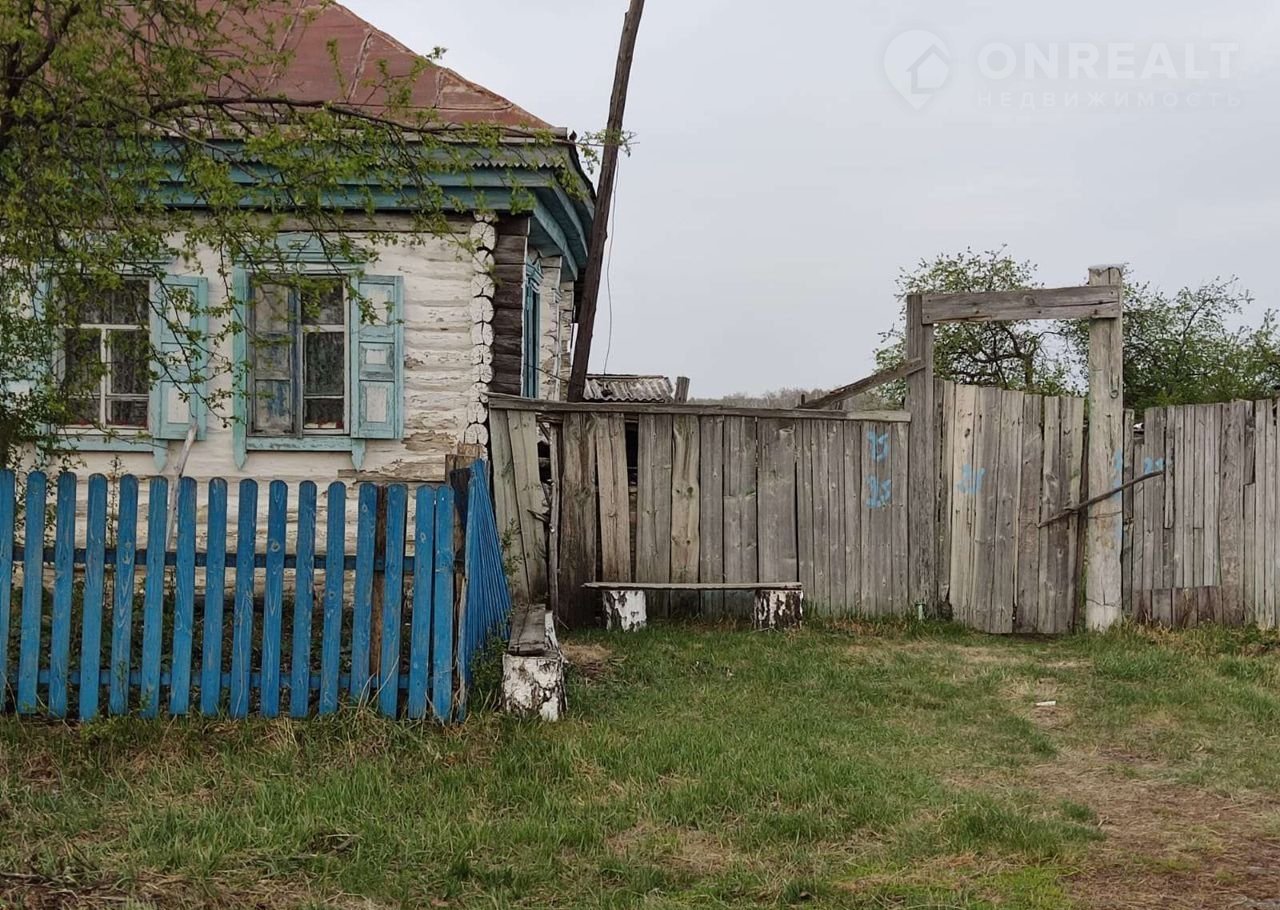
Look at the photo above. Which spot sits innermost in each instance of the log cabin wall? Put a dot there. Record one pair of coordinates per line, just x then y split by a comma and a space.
509, 257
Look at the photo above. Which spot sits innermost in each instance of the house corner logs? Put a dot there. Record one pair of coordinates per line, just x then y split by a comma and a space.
922, 459
484, 237
1103, 523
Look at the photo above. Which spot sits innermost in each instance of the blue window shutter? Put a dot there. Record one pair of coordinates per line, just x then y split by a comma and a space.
180, 390
240, 367
377, 359
531, 348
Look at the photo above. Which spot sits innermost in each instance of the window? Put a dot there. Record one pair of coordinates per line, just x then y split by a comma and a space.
299, 358
106, 373
531, 346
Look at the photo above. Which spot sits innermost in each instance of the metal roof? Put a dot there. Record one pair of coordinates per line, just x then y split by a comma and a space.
335, 56
622, 387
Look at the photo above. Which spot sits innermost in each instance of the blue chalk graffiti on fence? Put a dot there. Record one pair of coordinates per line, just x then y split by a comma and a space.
430, 661
879, 445
970, 480
881, 492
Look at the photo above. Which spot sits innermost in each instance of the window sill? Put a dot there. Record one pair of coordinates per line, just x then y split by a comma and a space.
98, 442
308, 444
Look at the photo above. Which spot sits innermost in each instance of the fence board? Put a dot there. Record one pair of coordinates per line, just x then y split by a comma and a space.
32, 596
1008, 494
362, 605
945, 398
711, 511
898, 552
392, 600
815, 490
531, 501
63, 576
578, 529
776, 522
504, 495
214, 597
442, 612
242, 615
610, 432
95, 566
834, 441
303, 602
805, 530
420, 621
122, 608
153, 596
1027, 562
962, 482
852, 510
335, 559
273, 602
685, 503
653, 498
184, 608
741, 508
8, 520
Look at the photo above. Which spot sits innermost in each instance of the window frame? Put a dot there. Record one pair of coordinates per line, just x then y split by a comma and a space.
298, 331
531, 331
105, 429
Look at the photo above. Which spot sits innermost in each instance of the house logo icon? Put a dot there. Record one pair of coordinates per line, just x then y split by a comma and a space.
918, 65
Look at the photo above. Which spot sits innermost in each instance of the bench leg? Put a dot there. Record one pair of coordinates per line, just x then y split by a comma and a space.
779, 609
533, 686
624, 610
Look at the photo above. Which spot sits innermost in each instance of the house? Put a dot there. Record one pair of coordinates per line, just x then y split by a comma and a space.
325, 392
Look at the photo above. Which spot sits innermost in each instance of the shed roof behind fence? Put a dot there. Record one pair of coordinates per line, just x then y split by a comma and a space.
623, 387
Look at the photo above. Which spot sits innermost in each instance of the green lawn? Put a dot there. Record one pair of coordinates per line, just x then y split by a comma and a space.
878, 766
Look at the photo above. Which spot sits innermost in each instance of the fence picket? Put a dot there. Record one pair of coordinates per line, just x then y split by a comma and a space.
7, 482
392, 600
335, 547
184, 606
64, 573
442, 617
442, 632
242, 617
273, 604
303, 602
94, 567
361, 613
153, 594
420, 631
32, 594
215, 580
122, 609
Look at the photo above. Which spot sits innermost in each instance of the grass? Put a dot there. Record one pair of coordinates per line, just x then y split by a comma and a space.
864, 766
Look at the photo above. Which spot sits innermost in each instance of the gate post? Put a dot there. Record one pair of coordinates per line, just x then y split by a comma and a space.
922, 462
1104, 526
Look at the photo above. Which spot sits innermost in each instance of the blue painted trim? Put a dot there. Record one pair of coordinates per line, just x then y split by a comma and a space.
299, 443
239, 367
96, 442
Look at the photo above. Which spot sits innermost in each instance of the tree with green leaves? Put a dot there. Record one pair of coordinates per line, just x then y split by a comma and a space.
1186, 348
136, 133
1012, 355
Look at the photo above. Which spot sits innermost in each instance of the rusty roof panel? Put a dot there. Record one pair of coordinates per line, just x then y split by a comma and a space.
348, 72
620, 387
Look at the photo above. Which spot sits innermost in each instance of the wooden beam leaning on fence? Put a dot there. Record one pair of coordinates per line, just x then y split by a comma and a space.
1101, 302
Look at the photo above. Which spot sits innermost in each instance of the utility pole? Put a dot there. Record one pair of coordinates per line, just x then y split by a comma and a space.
604, 201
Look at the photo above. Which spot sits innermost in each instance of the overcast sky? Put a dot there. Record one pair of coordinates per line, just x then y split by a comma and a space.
792, 156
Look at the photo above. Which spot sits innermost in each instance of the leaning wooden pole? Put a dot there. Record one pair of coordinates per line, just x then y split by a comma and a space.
1103, 524
604, 199
922, 462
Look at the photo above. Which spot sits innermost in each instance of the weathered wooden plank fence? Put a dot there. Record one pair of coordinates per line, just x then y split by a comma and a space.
287, 643
708, 495
690, 493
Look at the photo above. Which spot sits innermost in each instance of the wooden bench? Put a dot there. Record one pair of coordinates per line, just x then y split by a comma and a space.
779, 604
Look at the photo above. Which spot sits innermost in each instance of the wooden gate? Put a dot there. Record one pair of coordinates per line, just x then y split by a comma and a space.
1010, 462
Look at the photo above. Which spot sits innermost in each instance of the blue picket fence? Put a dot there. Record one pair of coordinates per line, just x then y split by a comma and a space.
284, 643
